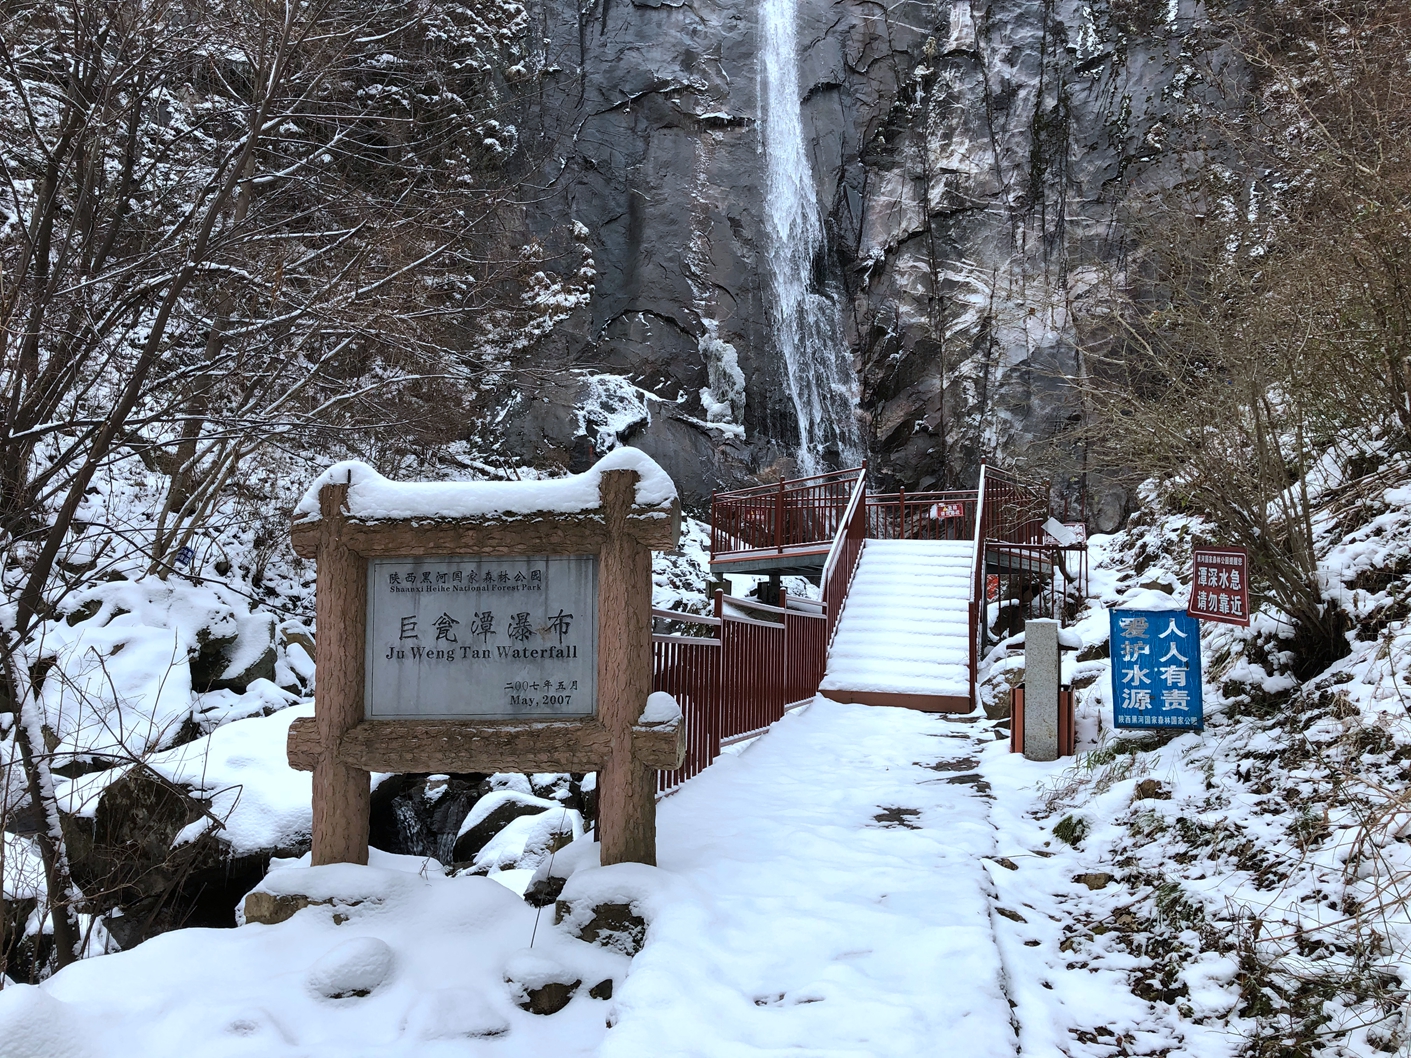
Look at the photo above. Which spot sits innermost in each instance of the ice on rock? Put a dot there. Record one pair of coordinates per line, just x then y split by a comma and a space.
354, 968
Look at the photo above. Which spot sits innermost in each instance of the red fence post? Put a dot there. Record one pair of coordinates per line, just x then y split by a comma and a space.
779, 518
785, 645
714, 527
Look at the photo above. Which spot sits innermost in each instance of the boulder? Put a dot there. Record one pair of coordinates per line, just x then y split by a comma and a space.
549, 998
547, 884
211, 657
539, 984
602, 990
353, 969
612, 925
530, 840
270, 909
126, 856
491, 814
250, 657
1151, 790
421, 815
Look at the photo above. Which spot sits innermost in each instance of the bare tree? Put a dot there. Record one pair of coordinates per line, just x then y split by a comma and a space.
1260, 320
229, 224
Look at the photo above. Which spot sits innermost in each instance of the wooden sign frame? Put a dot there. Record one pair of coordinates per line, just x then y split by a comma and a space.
341, 748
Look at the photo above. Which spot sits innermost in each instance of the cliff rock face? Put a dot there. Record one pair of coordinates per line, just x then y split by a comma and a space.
970, 160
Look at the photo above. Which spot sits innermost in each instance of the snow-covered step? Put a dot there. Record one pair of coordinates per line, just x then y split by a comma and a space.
903, 635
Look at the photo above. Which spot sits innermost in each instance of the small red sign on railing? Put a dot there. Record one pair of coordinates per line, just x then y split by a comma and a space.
1220, 585
946, 511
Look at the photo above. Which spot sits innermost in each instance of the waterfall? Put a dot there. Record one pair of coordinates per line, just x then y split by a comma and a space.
806, 320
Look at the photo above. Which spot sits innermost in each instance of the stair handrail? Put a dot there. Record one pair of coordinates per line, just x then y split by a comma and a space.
978, 611
853, 524
859, 492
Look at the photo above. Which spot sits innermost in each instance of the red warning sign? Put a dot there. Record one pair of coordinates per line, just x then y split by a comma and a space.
947, 511
1220, 585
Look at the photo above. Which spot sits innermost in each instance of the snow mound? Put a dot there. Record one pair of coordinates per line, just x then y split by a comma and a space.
646, 890
372, 497
455, 1013
354, 968
243, 773
33, 1024
382, 961
661, 708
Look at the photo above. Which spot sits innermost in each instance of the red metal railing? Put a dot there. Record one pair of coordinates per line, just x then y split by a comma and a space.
741, 673
740, 677
801, 514
842, 558
1007, 510
688, 669
906, 515
1012, 511
1031, 580
805, 653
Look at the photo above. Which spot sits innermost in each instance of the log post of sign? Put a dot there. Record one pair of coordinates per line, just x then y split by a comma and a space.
484, 627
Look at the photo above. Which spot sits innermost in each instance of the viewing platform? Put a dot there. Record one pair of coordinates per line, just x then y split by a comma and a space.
914, 585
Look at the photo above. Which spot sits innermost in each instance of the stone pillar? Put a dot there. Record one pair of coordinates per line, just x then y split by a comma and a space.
1041, 679
626, 786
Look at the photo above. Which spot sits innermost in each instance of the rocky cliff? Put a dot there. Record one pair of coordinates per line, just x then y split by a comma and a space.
970, 162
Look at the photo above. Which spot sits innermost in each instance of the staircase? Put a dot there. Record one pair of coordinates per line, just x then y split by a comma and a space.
903, 635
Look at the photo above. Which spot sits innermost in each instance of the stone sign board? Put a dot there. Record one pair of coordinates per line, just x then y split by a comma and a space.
489, 626
471, 636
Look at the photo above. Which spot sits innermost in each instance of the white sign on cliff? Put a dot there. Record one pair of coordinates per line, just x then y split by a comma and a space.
485, 637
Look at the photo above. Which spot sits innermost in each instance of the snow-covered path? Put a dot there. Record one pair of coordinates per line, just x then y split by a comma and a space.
840, 902
821, 894
905, 627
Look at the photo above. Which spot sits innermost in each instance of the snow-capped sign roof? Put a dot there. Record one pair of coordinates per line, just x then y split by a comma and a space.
1149, 599
371, 497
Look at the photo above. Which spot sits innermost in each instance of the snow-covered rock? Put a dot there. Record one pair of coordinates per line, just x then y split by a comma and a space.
492, 814
354, 968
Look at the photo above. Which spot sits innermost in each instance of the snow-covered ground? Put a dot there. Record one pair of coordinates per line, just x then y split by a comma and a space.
858, 881
823, 892
833, 899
